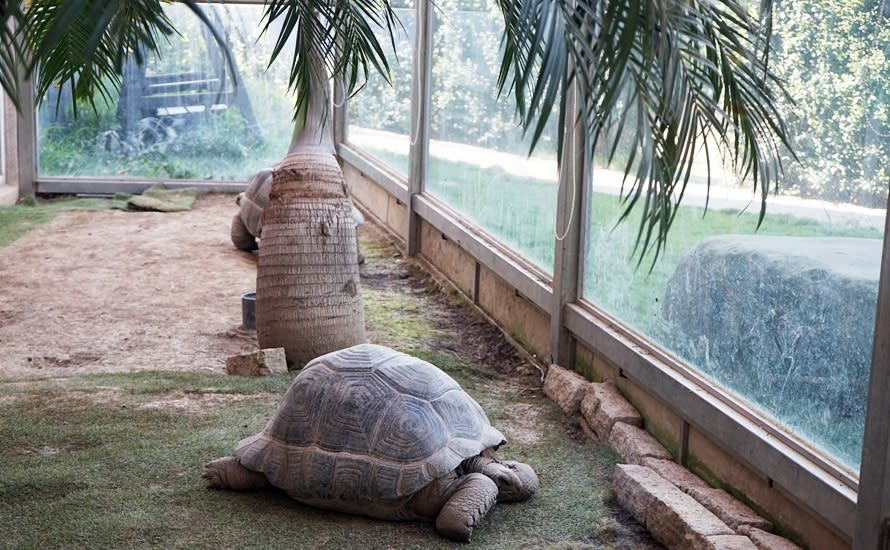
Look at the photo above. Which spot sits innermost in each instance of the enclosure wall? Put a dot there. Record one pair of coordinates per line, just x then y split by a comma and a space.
494, 281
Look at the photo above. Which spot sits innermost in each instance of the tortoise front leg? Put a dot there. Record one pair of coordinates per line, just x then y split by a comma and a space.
241, 237
516, 481
474, 495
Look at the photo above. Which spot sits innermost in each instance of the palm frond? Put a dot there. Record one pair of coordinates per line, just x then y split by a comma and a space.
87, 42
338, 35
12, 53
676, 75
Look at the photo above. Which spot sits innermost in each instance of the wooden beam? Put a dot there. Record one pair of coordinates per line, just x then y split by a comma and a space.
420, 123
568, 256
26, 137
873, 506
108, 187
529, 281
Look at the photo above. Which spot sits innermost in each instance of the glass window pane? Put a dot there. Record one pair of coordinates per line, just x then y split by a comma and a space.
180, 115
784, 315
478, 156
380, 115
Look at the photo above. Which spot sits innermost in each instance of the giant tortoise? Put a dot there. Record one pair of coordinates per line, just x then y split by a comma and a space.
368, 430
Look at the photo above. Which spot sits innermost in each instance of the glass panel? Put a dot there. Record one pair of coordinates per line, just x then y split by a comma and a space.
478, 157
180, 116
784, 315
380, 115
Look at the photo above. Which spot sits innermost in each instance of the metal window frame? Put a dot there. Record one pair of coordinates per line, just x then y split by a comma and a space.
873, 509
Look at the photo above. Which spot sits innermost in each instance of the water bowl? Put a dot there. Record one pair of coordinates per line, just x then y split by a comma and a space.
248, 310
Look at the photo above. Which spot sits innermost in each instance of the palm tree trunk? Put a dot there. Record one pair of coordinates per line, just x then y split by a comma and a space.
308, 294
308, 291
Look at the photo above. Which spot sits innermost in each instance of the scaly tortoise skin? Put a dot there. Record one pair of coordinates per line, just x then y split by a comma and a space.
247, 225
371, 431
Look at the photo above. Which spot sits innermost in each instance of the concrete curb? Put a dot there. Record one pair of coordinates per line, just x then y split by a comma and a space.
677, 507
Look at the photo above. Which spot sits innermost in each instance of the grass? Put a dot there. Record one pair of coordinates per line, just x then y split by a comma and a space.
396, 320
90, 462
114, 460
19, 219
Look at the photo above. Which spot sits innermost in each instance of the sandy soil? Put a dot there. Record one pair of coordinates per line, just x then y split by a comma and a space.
125, 291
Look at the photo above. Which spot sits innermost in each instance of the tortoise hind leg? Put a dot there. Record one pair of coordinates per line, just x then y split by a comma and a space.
241, 237
473, 497
228, 473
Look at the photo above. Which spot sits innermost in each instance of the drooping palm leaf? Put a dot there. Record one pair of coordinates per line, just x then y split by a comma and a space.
338, 35
11, 52
87, 42
677, 75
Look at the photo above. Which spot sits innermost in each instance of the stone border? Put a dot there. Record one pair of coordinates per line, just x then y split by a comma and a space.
677, 507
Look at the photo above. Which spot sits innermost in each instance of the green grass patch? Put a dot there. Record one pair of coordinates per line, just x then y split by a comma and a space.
396, 320
19, 219
114, 460
377, 251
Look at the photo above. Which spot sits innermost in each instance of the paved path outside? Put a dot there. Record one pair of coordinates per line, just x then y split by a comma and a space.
724, 193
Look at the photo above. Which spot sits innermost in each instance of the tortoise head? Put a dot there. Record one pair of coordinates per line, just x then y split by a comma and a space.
516, 481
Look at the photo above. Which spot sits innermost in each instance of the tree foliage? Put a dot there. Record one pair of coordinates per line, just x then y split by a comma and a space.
685, 73
835, 59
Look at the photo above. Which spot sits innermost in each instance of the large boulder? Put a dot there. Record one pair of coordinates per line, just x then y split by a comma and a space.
784, 318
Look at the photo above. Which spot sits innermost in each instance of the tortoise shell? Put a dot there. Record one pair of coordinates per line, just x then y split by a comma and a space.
254, 200
367, 423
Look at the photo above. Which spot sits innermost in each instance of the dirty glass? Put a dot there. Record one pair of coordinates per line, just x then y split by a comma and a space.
380, 114
183, 114
783, 315
479, 162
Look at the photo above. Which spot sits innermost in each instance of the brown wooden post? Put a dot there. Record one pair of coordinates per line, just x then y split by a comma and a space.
570, 221
873, 505
418, 133
26, 137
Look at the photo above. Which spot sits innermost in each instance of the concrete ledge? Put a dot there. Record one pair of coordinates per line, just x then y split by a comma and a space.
566, 388
768, 541
730, 510
729, 542
9, 195
685, 480
674, 518
635, 444
603, 406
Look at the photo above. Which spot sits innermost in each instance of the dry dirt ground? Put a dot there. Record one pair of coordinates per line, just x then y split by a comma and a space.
120, 291
150, 290
140, 290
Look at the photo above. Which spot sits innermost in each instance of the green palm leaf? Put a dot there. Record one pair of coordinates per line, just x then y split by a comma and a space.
12, 55
677, 75
338, 36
